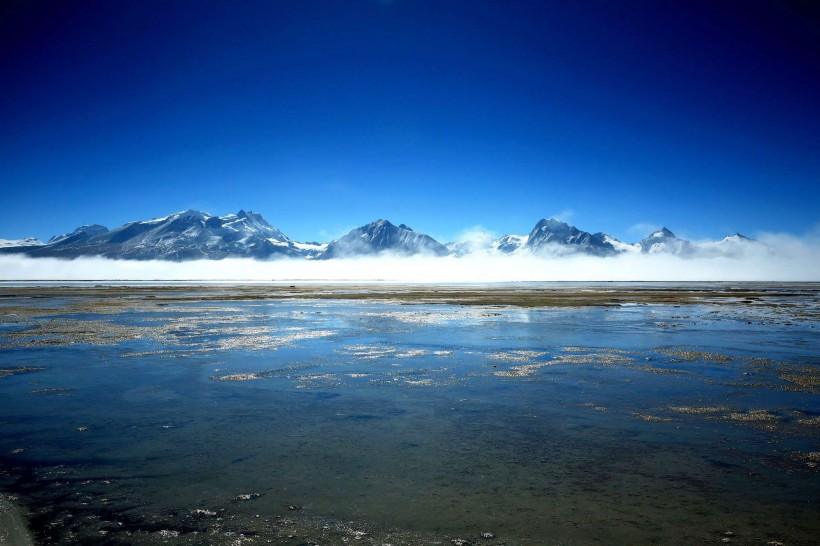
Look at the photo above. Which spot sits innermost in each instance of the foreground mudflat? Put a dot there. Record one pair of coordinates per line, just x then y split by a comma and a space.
521, 295
674, 414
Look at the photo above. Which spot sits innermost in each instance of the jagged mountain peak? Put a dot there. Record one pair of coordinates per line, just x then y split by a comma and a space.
664, 241
663, 232
253, 221
250, 215
183, 235
509, 244
381, 236
190, 213
380, 223
193, 234
386, 224
84, 231
554, 235
551, 224
16, 243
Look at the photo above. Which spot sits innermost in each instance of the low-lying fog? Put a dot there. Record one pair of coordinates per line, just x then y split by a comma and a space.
781, 258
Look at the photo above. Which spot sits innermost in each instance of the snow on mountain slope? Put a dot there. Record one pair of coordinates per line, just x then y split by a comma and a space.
183, 235
28, 241
553, 236
192, 234
731, 246
80, 234
617, 244
487, 246
381, 237
664, 241
510, 244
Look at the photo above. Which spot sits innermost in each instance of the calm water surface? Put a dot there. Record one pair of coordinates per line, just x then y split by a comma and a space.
138, 421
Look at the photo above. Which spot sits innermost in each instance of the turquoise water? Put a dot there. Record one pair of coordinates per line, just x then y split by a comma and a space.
333, 422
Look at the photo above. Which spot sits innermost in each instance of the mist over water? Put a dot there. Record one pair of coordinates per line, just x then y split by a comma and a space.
782, 259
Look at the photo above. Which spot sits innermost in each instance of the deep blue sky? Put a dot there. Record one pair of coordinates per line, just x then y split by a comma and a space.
325, 115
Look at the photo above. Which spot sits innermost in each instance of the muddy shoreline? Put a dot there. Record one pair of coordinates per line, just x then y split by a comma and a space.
571, 295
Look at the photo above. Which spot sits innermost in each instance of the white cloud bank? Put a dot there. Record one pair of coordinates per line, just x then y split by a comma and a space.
773, 257
793, 260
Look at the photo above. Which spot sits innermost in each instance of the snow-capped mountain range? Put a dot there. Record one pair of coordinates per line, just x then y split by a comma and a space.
186, 235
190, 235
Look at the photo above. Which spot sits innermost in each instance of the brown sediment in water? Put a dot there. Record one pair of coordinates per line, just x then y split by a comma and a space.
752, 416
800, 378
565, 296
46, 316
16, 370
650, 417
686, 355
39, 321
236, 377
811, 458
700, 410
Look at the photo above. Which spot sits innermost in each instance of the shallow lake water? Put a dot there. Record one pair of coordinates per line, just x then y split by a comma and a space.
140, 420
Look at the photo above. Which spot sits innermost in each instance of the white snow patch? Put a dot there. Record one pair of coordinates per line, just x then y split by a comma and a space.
311, 246
28, 241
621, 246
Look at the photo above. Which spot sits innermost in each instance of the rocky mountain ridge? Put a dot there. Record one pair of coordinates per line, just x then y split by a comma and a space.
191, 234
380, 237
